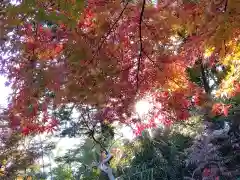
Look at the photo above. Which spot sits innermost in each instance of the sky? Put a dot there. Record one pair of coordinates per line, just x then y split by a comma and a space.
4, 91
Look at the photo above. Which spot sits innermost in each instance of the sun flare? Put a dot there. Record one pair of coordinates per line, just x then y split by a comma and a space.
142, 107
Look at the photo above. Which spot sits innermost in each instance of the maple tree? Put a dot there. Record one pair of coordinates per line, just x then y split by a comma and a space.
110, 54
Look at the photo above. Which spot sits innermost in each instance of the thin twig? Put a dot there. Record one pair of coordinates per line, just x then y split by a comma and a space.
92, 132
160, 69
103, 39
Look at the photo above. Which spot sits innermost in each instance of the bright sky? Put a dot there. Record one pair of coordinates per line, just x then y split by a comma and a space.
5, 91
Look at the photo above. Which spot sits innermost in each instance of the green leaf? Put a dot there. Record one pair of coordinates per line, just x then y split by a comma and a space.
41, 15
194, 75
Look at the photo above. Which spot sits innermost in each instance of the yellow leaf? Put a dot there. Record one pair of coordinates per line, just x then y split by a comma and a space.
208, 52
19, 178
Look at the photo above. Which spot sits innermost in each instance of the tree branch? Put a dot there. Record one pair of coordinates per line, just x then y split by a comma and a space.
204, 79
225, 6
159, 68
141, 43
96, 141
92, 132
104, 37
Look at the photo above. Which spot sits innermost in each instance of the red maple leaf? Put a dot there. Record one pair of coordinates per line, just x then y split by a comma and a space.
26, 131
219, 109
226, 109
196, 100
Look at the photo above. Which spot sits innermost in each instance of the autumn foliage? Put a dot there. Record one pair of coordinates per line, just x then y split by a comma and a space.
111, 53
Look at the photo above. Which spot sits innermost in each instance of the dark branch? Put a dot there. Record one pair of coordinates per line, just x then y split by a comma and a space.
91, 131
141, 43
226, 4
204, 79
97, 142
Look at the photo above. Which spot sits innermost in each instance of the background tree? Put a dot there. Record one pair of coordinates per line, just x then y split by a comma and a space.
18, 154
62, 173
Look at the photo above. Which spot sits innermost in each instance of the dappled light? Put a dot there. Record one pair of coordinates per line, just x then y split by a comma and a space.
119, 90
